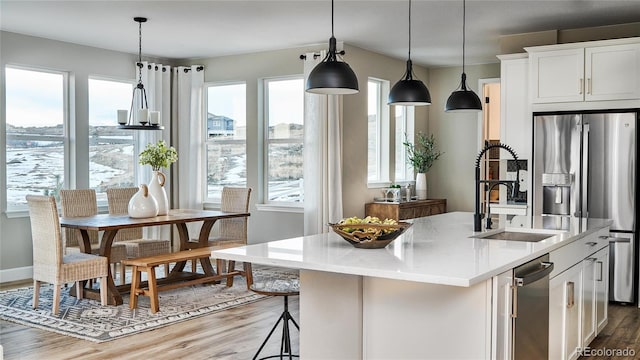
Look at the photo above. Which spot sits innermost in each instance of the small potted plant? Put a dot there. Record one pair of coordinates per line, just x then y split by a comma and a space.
158, 156
422, 156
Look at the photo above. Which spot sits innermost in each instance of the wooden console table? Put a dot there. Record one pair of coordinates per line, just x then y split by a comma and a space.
406, 210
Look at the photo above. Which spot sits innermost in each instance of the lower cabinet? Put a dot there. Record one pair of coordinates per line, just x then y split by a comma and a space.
565, 312
578, 298
602, 288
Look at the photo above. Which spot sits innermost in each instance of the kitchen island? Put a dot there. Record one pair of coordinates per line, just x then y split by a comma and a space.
432, 293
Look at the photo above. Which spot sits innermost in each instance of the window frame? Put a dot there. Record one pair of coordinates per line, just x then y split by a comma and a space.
264, 178
216, 201
65, 138
383, 128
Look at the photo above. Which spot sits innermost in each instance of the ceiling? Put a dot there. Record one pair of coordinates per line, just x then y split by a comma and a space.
202, 29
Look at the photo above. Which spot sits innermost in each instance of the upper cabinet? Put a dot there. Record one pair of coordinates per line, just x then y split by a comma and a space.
515, 115
584, 73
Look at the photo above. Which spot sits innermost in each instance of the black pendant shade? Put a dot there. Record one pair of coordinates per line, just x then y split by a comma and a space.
463, 99
332, 76
409, 91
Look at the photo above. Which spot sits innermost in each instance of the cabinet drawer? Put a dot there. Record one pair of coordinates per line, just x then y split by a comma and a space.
567, 256
573, 253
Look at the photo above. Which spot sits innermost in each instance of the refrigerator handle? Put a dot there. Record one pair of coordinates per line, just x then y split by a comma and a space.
584, 190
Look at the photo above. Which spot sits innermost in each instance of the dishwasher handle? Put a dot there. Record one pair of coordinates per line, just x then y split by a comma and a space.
545, 269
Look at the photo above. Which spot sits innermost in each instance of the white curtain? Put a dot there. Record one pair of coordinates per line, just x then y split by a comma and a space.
187, 131
157, 83
322, 156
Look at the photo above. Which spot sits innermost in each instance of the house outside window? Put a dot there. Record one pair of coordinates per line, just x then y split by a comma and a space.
378, 146
111, 150
36, 134
284, 135
226, 132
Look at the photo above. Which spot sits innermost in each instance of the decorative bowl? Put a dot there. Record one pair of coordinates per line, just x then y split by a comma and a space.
370, 236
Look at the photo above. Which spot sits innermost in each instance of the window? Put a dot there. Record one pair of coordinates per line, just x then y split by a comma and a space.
284, 134
405, 116
36, 135
226, 145
111, 150
378, 132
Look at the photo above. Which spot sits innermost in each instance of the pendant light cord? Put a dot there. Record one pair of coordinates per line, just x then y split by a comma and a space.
331, 18
463, 30
409, 29
140, 52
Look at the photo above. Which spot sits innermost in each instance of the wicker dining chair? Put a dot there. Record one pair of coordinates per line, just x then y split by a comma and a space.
271, 284
231, 232
82, 202
132, 238
49, 262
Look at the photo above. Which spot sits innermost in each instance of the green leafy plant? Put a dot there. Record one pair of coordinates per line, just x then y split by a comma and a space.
158, 155
424, 154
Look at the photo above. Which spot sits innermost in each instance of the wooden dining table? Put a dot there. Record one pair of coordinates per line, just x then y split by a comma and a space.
110, 224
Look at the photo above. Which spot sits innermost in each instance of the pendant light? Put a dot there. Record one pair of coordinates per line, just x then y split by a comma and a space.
332, 76
463, 99
409, 91
144, 119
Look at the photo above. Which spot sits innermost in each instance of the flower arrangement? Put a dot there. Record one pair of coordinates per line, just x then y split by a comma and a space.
158, 155
424, 154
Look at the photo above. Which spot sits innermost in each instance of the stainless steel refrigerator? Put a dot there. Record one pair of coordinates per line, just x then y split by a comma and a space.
585, 166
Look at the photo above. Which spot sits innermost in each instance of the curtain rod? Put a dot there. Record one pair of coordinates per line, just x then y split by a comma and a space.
316, 55
199, 68
164, 69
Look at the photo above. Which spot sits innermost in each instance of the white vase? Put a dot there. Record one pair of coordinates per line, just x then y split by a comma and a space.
142, 204
156, 189
421, 186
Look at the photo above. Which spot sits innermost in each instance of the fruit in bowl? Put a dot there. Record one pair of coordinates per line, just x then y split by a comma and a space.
370, 232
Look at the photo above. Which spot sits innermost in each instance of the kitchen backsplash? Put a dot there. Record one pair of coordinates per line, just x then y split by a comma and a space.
521, 196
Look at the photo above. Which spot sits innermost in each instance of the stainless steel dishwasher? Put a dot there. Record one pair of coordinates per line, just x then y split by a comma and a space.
530, 310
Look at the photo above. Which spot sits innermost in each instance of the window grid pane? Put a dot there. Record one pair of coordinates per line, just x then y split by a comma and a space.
373, 143
111, 158
284, 140
226, 147
35, 134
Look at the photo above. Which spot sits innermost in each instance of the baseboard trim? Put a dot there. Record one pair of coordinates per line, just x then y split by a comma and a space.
16, 274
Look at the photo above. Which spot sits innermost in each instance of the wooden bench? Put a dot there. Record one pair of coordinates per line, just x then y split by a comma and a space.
148, 265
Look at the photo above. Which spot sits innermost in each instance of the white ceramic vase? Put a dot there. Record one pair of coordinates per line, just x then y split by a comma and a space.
142, 204
156, 189
421, 186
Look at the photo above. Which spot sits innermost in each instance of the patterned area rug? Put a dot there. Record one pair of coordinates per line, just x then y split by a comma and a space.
86, 319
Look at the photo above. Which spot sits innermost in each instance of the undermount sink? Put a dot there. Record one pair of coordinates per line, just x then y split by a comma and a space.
515, 236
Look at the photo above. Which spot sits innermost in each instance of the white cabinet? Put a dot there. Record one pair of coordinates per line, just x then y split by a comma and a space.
502, 333
557, 76
515, 114
584, 73
612, 72
578, 294
565, 312
595, 285
602, 288
588, 301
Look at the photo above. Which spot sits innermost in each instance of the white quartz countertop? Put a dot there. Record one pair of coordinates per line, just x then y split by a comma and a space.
438, 249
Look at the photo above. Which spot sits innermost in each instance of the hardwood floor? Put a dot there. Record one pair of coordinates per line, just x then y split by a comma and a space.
235, 334
230, 334
622, 332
